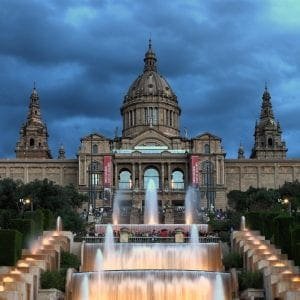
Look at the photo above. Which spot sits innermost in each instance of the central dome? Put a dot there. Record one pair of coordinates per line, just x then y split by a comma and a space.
150, 83
150, 101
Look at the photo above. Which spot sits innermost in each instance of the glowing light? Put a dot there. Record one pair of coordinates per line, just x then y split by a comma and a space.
8, 279
15, 271
286, 272
23, 265
1, 288
296, 279
273, 257
266, 252
29, 259
262, 247
279, 264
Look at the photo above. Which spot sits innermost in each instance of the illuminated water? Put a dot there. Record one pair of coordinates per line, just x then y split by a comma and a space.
151, 205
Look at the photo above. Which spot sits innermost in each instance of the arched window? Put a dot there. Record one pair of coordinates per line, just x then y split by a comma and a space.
177, 180
31, 142
95, 149
206, 149
125, 181
151, 174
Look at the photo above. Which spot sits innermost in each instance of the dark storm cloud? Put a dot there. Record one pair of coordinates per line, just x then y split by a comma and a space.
85, 54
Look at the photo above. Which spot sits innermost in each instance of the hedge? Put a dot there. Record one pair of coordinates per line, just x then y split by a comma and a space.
49, 220
250, 280
38, 217
232, 260
10, 247
282, 233
26, 227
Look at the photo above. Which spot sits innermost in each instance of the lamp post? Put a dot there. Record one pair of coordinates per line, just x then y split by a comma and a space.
287, 202
24, 202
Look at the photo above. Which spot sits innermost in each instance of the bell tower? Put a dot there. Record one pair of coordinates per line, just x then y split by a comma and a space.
33, 141
267, 135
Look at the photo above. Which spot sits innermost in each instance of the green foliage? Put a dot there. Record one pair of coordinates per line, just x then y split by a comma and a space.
232, 260
26, 227
219, 225
253, 199
71, 220
69, 260
38, 217
295, 239
10, 247
49, 219
5, 216
238, 200
54, 279
9, 194
282, 233
250, 280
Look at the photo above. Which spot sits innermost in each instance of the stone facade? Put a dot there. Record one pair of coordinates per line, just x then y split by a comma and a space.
151, 147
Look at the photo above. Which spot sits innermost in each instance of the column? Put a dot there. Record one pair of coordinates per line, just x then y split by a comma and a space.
162, 176
116, 175
169, 176
140, 177
133, 175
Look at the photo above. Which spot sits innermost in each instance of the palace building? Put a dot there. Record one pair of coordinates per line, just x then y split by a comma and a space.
152, 147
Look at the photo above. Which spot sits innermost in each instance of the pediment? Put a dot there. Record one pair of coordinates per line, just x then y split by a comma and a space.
95, 136
206, 136
151, 137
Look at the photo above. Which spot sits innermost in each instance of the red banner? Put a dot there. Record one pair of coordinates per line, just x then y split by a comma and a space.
194, 170
107, 166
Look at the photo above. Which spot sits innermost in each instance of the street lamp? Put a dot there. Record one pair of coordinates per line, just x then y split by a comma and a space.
287, 202
24, 202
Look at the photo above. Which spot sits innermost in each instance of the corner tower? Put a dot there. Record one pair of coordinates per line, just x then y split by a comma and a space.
268, 142
150, 102
33, 141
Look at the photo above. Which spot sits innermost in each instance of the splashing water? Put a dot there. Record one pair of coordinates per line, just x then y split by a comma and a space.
151, 206
194, 235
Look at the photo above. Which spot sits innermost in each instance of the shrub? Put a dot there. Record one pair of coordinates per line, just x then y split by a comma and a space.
54, 279
69, 260
10, 247
26, 227
232, 260
49, 220
282, 233
250, 280
38, 217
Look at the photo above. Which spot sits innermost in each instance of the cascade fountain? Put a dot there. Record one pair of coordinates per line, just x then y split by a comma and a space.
151, 271
151, 207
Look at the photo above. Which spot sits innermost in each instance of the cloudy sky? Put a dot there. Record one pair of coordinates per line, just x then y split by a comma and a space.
84, 55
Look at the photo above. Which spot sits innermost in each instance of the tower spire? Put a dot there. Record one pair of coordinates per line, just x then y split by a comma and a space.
33, 142
268, 143
150, 58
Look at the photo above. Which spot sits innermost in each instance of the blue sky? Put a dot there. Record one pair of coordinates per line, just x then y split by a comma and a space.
84, 55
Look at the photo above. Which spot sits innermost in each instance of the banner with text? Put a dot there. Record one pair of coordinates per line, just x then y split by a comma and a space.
194, 170
107, 165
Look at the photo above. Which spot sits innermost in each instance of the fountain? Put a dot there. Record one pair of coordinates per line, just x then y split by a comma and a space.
194, 235
151, 208
58, 224
116, 207
243, 223
190, 203
160, 271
